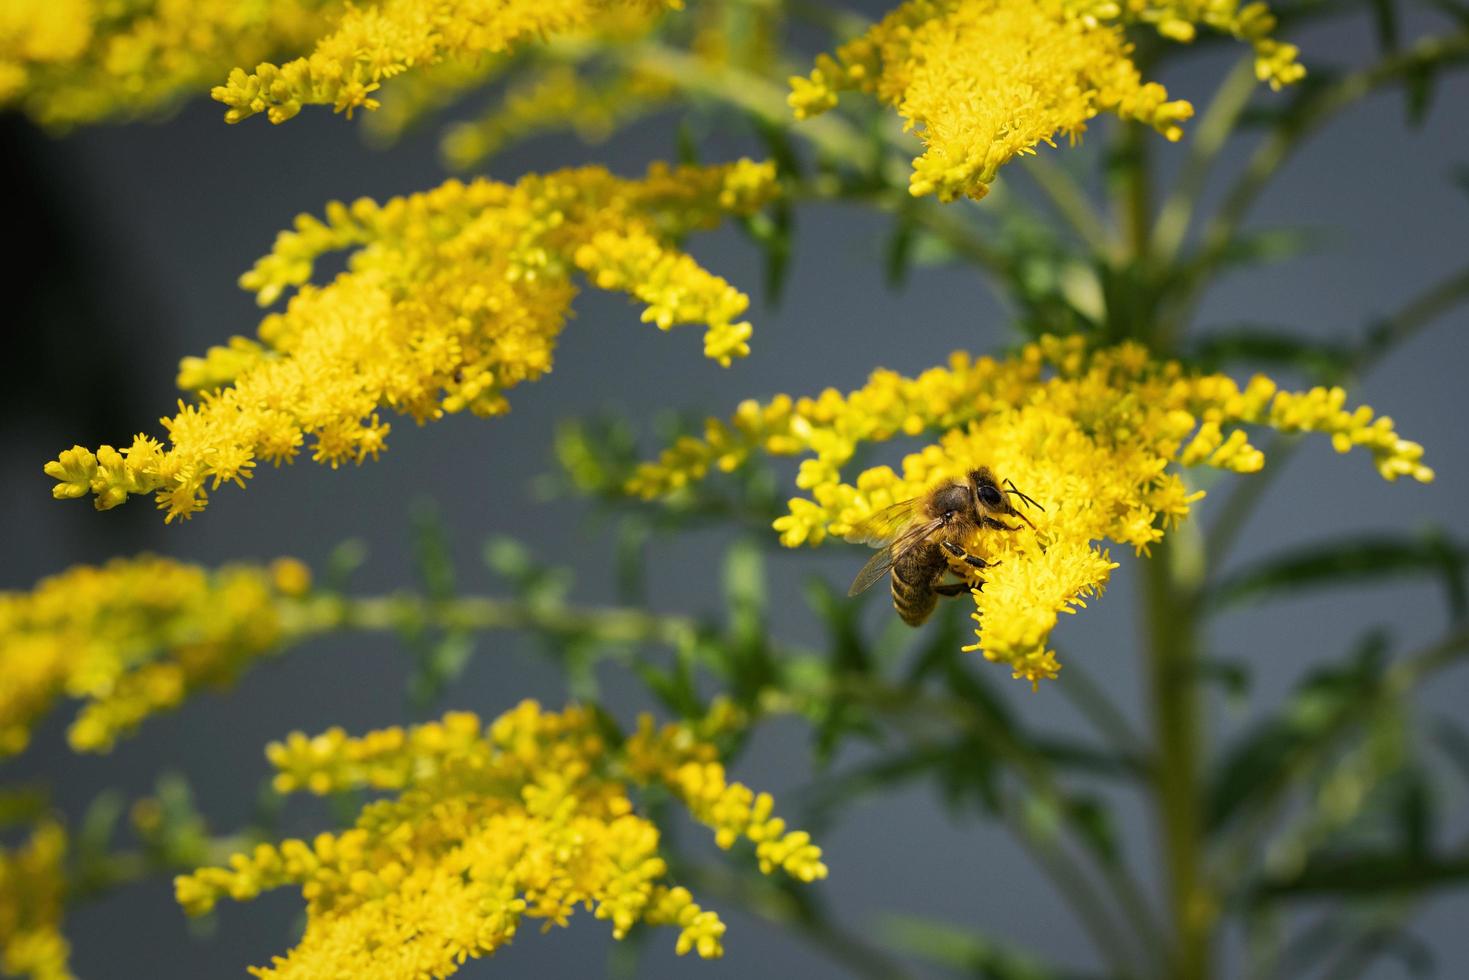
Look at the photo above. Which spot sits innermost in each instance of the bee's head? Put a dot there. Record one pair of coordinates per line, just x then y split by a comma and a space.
990, 497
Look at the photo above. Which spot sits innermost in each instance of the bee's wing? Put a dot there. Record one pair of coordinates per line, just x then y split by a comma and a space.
878, 565
884, 526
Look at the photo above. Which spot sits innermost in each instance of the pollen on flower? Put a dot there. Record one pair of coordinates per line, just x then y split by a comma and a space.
132, 638
528, 816
1095, 435
452, 297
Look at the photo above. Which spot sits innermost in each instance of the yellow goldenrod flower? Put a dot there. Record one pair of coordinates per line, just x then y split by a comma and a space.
32, 895
983, 80
65, 62
483, 825
1090, 434
451, 298
377, 42
133, 637
1275, 62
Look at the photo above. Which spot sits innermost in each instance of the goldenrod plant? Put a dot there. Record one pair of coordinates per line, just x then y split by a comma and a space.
1117, 434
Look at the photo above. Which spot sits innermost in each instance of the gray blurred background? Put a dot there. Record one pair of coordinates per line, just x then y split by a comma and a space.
129, 243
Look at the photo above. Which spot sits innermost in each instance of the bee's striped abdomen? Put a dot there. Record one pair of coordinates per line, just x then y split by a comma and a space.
912, 583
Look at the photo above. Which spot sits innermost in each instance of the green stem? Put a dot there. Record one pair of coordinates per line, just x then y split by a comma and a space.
1288, 137
941, 221
1205, 143
1173, 574
612, 624
1093, 910
782, 908
1237, 851
1136, 179
1069, 200
832, 136
1087, 695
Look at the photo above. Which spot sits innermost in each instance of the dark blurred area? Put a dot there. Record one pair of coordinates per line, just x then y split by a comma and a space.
124, 245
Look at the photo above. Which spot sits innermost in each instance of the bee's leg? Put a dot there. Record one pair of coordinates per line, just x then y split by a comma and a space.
974, 561
990, 522
954, 589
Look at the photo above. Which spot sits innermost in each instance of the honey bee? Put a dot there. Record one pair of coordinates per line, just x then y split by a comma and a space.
917, 538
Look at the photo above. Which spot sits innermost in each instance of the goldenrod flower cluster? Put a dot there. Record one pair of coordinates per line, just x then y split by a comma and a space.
32, 896
528, 816
66, 62
374, 43
1090, 434
451, 298
131, 638
984, 80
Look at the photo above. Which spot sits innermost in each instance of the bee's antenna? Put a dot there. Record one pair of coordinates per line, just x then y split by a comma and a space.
1022, 496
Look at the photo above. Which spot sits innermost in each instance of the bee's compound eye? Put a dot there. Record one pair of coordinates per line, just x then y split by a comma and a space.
989, 496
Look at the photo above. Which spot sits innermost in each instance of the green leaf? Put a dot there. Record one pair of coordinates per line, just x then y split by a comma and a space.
778, 146
1385, 23
1459, 175
1270, 246
848, 654
432, 558
939, 651
1455, 10
750, 663
1232, 676
1092, 819
94, 839
964, 772
1083, 757
21, 805
630, 561
541, 585
688, 141
1262, 760
772, 234
1419, 88
440, 663
1415, 814
1453, 742
1274, 347
899, 251
673, 686
1373, 874
966, 951
1346, 562
344, 559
